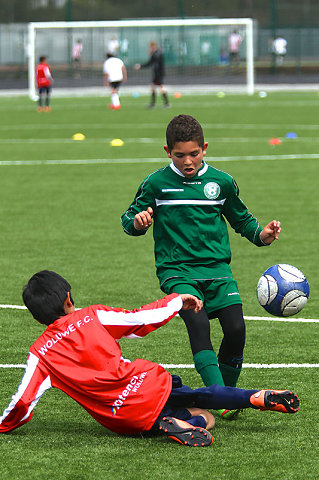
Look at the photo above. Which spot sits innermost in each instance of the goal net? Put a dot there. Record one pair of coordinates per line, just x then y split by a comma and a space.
210, 53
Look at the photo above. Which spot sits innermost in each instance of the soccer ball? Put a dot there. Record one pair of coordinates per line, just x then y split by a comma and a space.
283, 290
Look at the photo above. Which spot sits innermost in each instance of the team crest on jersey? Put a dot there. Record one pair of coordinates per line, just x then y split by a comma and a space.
212, 190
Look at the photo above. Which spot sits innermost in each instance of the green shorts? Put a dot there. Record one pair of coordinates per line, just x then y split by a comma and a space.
215, 294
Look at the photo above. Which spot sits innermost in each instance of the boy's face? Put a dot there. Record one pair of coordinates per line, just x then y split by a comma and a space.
187, 157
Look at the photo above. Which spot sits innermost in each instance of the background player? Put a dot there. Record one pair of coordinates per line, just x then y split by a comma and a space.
156, 61
114, 75
44, 83
113, 46
79, 354
76, 57
234, 42
189, 202
279, 49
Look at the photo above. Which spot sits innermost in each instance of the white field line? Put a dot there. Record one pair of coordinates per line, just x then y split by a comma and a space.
187, 366
15, 141
156, 126
283, 319
247, 317
189, 102
12, 365
110, 161
252, 365
269, 319
204, 89
14, 307
153, 141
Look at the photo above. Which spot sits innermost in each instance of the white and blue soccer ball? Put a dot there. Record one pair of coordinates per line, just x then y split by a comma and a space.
283, 290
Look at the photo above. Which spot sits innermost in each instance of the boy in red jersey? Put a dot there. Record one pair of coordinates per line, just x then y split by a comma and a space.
79, 354
44, 83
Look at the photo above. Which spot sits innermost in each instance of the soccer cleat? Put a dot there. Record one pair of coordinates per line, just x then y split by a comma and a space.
39, 109
228, 414
283, 401
151, 106
47, 109
185, 433
166, 105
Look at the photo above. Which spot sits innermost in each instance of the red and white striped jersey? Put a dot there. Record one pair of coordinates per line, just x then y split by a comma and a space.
43, 75
79, 354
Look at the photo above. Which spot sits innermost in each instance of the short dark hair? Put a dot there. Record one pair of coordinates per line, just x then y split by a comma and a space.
42, 58
184, 128
44, 296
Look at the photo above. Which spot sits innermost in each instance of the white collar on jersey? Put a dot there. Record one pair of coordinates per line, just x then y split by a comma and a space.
199, 173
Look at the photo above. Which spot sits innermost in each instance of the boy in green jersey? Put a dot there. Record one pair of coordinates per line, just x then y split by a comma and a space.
188, 202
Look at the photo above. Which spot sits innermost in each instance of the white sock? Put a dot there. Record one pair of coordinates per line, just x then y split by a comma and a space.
115, 99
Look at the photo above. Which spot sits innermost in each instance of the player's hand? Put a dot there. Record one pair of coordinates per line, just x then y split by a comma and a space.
270, 232
143, 220
137, 66
190, 302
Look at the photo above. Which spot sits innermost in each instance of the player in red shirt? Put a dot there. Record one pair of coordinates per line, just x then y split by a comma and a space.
44, 83
79, 354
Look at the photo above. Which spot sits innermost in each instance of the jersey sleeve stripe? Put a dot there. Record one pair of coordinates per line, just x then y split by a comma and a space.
17, 399
45, 385
140, 317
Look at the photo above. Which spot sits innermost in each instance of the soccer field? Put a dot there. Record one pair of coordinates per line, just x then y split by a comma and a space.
61, 202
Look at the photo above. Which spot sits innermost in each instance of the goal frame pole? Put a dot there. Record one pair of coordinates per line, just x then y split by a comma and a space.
248, 22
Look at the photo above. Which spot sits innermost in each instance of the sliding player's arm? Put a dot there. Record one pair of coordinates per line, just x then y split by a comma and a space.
33, 385
139, 322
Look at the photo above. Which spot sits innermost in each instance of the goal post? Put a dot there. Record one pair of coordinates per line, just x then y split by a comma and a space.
196, 50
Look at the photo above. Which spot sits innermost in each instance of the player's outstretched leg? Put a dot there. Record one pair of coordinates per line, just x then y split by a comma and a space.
280, 400
185, 433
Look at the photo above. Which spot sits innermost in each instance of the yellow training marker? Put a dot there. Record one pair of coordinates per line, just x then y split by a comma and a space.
78, 136
116, 142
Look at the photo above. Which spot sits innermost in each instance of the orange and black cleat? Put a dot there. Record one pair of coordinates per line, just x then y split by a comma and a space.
283, 401
185, 433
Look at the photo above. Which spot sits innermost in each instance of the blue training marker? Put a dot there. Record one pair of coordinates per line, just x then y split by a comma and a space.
291, 135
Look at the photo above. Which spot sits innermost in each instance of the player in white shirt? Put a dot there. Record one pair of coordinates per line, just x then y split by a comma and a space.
280, 49
114, 74
113, 46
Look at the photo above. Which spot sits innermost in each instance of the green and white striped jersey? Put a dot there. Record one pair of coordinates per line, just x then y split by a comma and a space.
190, 231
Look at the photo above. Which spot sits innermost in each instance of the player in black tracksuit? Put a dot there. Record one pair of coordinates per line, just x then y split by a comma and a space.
156, 60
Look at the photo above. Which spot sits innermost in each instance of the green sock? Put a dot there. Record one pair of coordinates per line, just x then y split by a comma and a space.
230, 374
206, 364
